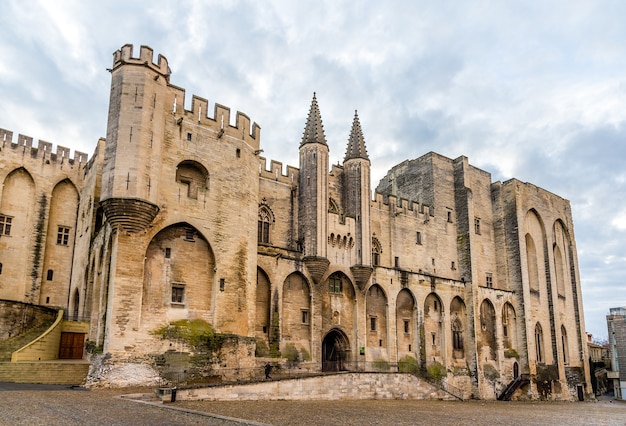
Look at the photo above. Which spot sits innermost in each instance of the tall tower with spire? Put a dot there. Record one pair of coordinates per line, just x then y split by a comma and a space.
313, 193
357, 194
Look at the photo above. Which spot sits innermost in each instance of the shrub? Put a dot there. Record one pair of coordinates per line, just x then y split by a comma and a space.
408, 364
381, 365
290, 352
192, 332
436, 371
511, 353
305, 355
262, 350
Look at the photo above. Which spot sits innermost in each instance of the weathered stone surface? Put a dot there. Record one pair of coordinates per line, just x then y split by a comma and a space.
176, 217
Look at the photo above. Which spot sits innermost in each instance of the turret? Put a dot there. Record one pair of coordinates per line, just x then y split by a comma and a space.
313, 193
357, 189
135, 133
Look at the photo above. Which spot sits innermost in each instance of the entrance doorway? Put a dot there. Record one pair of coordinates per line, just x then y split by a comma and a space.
335, 348
71, 346
515, 370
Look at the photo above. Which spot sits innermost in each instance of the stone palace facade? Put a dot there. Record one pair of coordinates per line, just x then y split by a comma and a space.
177, 216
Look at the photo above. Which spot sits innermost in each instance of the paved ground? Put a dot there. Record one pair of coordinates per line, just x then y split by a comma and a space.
51, 405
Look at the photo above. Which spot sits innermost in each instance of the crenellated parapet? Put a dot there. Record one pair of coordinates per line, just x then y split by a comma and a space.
125, 56
219, 121
397, 205
174, 101
275, 172
43, 150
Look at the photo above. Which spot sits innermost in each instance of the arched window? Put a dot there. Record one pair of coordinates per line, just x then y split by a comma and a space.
194, 175
457, 335
265, 219
531, 260
376, 251
334, 284
488, 328
564, 345
539, 342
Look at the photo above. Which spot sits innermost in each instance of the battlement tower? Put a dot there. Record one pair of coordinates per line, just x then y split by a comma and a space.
134, 139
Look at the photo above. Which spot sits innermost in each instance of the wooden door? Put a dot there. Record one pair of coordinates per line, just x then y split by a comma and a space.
71, 346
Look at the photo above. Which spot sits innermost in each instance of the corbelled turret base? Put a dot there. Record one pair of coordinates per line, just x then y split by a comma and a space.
131, 214
317, 267
361, 274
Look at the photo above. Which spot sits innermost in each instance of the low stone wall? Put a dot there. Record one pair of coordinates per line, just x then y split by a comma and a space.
339, 386
50, 373
17, 317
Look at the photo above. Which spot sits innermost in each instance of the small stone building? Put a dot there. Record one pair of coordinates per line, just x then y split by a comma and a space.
616, 324
177, 216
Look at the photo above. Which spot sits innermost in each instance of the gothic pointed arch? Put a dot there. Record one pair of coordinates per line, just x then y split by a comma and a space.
179, 275
263, 305
376, 317
335, 350
539, 344
564, 346
458, 324
433, 329
543, 301
194, 176
338, 302
265, 222
509, 327
19, 207
487, 346
569, 299
59, 245
406, 323
535, 239
561, 249
296, 312
377, 250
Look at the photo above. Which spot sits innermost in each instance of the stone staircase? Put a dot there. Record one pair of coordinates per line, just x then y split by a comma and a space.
7, 347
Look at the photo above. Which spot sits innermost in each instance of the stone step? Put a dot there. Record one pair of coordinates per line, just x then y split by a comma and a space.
12, 344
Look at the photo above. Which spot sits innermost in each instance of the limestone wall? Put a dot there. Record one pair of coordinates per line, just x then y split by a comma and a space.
364, 386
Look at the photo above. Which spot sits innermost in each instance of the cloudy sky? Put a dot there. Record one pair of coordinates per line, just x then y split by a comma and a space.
529, 89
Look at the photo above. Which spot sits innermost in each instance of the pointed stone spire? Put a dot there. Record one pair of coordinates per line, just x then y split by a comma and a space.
356, 143
314, 130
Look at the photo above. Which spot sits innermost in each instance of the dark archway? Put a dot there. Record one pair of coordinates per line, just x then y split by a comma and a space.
515, 370
335, 349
